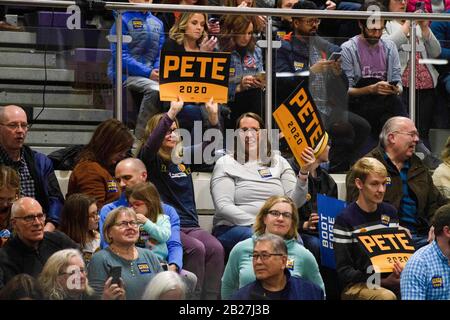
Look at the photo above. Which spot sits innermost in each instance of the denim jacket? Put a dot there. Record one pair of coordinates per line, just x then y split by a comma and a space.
141, 55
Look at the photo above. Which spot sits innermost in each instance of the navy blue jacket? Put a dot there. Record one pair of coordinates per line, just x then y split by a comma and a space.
296, 289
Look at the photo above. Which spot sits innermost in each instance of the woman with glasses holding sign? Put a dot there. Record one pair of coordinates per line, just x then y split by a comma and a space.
241, 182
164, 157
9, 191
122, 267
277, 216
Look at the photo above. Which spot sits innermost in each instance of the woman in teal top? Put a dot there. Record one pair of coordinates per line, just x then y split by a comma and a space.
278, 216
138, 265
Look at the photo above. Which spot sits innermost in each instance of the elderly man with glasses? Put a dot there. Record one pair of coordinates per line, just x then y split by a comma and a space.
273, 279
410, 187
30, 247
37, 177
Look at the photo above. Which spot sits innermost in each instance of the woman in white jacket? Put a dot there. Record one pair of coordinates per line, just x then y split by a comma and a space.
426, 75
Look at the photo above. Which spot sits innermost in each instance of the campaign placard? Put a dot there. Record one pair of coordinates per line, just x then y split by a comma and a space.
299, 120
194, 76
386, 246
328, 208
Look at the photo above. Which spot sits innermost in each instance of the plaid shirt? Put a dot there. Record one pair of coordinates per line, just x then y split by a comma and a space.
27, 188
426, 275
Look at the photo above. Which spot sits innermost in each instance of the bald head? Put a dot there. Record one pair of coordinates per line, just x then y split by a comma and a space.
130, 171
399, 137
25, 206
9, 111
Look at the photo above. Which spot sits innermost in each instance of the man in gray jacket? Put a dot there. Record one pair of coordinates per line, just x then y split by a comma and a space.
373, 70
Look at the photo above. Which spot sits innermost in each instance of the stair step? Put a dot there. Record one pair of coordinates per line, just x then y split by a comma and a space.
18, 38
58, 138
45, 150
27, 59
72, 114
51, 99
36, 74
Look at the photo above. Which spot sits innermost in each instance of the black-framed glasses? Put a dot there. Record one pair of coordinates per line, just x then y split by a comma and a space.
16, 125
125, 224
412, 134
264, 255
276, 213
31, 217
311, 22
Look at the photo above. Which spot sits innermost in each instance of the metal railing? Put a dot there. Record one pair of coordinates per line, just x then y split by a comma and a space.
269, 12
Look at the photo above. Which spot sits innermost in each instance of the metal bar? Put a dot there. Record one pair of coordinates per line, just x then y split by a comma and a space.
412, 73
118, 111
333, 14
269, 73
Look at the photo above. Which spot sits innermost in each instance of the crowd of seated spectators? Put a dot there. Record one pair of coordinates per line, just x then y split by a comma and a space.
129, 226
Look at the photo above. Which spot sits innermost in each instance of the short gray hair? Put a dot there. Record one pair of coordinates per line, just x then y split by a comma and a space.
111, 220
390, 126
278, 244
163, 282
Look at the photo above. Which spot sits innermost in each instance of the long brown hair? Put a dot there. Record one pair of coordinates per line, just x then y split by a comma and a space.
147, 193
233, 26
110, 138
75, 218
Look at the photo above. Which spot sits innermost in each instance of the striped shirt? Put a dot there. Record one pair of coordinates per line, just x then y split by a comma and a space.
426, 275
351, 261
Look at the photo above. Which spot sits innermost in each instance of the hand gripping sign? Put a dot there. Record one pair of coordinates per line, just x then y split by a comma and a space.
386, 246
194, 76
300, 122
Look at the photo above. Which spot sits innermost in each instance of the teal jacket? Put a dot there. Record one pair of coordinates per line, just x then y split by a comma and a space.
239, 269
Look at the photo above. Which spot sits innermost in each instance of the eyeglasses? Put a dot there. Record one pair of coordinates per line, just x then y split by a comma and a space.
125, 224
412, 134
311, 22
249, 130
73, 271
15, 125
31, 217
170, 131
277, 213
264, 255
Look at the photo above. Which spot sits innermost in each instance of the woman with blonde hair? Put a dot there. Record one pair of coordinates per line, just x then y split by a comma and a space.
277, 216
162, 154
441, 176
64, 277
9, 191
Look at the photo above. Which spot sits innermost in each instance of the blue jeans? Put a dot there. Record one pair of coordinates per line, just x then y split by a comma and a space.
230, 236
312, 243
419, 240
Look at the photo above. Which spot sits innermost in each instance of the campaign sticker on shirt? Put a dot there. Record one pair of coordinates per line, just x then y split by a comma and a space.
112, 186
281, 34
437, 282
290, 264
265, 173
138, 24
385, 219
143, 268
388, 181
249, 62
298, 65
232, 72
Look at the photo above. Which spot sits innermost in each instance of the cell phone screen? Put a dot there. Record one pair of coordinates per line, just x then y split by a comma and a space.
115, 273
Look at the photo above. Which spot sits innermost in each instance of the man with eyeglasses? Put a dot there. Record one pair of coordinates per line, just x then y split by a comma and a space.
410, 187
307, 56
37, 177
273, 279
373, 69
30, 247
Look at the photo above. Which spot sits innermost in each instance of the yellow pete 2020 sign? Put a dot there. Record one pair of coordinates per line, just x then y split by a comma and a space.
300, 122
194, 76
386, 246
